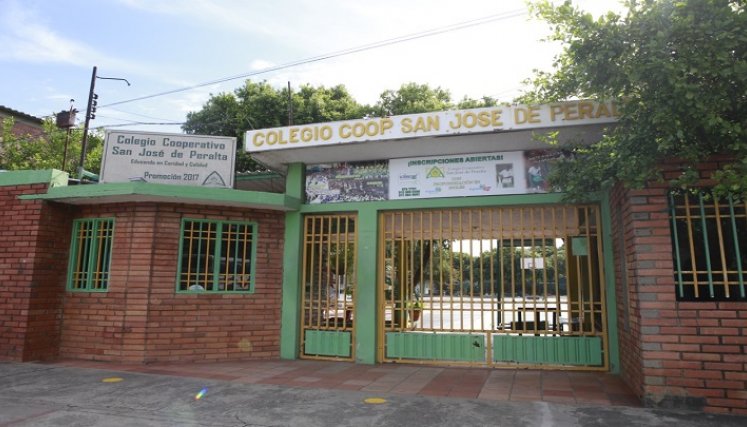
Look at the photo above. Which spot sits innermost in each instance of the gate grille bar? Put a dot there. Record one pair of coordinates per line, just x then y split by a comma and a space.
498, 271
709, 242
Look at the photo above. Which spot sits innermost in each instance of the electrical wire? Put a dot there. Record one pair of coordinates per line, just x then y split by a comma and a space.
344, 52
140, 115
135, 123
132, 122
101, 116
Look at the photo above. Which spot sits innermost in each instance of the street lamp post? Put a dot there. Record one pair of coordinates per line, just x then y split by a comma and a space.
92, 102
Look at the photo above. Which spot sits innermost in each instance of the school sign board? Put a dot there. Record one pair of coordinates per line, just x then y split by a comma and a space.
178, 159
438, 123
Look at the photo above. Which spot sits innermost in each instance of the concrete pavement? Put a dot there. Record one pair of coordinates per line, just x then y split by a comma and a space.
34, 394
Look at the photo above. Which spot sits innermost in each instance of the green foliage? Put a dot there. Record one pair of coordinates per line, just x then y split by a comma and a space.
314, 105
414, 304
219, 116
485, 101
679, 72
19, 152
503, 267
259, 106
412, 98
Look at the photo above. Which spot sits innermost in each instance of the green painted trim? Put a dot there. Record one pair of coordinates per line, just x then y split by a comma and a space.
290, 325
735, 237
91, 255
296, 176
609, 278
53, 177
432, 346
59, 178
217, 255
89, 175
451, 202
366, 312
327, 343
676, 243
290, 312
548, 350
71, 255
172, 193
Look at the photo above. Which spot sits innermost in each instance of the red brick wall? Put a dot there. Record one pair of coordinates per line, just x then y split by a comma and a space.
21, 128
142, 318
625, 242
33, 250
675, 354
47, 287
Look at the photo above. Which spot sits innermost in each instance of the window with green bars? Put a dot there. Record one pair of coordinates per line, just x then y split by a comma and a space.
709, 245
90, 255
216, 256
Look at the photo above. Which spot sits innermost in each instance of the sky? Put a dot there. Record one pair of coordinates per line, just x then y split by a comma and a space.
48, 49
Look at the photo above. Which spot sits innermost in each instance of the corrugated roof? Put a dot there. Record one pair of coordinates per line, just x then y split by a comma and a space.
19, 114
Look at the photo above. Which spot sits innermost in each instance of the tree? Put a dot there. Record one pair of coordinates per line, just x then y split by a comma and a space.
314, 105
678, 70
19, 152
413, 98
259, 106
485, 101
221, 115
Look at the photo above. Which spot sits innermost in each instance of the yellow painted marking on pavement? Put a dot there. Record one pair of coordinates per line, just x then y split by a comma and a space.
375, 400
112, 380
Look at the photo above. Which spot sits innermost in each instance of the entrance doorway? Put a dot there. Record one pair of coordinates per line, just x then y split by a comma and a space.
499, 286
329, 283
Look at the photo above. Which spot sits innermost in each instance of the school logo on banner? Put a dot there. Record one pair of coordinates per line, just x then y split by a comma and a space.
435, 172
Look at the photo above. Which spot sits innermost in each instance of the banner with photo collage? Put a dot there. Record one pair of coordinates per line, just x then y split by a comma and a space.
347, 182
484, 174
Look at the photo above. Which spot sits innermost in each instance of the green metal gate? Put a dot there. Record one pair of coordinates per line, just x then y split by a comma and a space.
499, 286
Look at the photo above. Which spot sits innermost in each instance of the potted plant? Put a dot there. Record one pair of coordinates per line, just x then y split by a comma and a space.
414, 308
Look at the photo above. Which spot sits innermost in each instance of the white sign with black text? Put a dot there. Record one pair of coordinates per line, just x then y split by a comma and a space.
197, 160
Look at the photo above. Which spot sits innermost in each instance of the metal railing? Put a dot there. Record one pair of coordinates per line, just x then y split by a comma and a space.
90, 254
216, 256
328, 277
533, 271
709, 245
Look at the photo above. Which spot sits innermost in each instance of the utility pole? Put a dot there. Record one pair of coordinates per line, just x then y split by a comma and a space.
290, 105
84, 143
90, 110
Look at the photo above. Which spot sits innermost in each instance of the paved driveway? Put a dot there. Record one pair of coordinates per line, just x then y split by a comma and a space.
56, 395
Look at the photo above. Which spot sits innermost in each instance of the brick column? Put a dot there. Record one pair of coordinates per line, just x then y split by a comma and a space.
673, 354
34, 239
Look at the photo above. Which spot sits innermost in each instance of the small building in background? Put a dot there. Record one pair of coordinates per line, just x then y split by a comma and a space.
25, 124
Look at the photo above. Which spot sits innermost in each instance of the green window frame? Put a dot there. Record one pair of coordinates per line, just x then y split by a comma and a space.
90, 255
709, 246
216, 256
